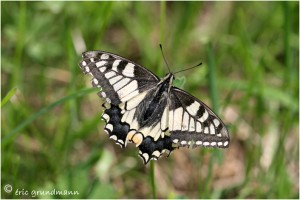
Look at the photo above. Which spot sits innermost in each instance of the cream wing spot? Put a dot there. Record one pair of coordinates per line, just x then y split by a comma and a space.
183, 142
216, 122
171, 119
145, 156
129, 88
124, 117
95, 81
158, 135
204, 116
120, 141
177, 119
212, 129
164, 119
109, 127
135, 124
114, 137
128, 70
104, 56
122, 106
163, 134
154, 130
115, 65
108, 100
135, 101
103, 95
206, 131
193, 108
146, 130
156, 154
198, 127
129, 96
185, 122
106, 117
100, 63
102, 69
122, 83
205, 143
226, 143
114, 79
130, 116
109, 74
192, 125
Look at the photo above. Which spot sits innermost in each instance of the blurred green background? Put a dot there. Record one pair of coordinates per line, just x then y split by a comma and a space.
52, 135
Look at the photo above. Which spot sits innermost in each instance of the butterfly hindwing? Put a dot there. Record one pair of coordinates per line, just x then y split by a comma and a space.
192, 123
116, 129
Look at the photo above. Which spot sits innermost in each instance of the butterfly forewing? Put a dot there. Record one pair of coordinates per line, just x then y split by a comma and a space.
142, 109
119, 78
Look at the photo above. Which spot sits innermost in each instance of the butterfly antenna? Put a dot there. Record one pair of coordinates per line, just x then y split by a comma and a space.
164, 57
188, 68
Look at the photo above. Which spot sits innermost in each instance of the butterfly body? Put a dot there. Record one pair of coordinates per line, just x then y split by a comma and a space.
148, 111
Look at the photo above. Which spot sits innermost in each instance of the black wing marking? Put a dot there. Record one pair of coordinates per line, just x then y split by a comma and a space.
192, 123
150, 149
119, 78
116, 129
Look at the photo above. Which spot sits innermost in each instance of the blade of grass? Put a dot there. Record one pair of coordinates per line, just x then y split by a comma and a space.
289, 73
73, 70
44, 110
17, 70
8, 96
212, 85
162, 21
212, 80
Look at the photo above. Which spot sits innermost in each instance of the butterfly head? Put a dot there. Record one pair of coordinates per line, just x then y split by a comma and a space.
167, 80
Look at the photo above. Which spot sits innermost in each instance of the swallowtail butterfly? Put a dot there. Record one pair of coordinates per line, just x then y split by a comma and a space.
148, 111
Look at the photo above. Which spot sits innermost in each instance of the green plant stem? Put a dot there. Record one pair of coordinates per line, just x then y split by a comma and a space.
152, 179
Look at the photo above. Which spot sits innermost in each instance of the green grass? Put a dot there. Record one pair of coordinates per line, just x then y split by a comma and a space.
52, 135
